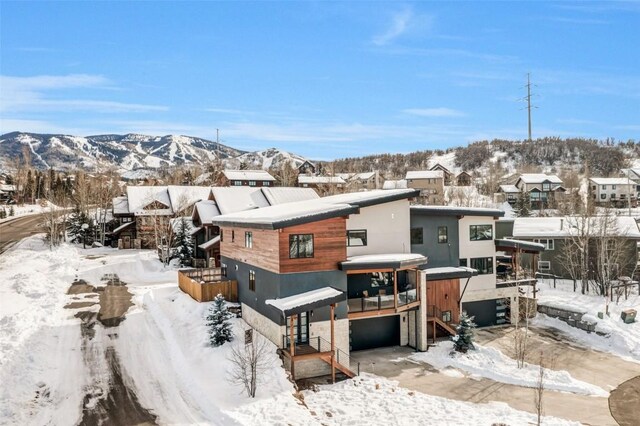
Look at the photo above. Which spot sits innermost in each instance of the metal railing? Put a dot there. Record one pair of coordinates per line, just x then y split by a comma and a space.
382, 301
434, 312
318, 344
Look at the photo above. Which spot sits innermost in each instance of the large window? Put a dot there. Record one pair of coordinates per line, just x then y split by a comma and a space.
549, 244
484, 265
248, 239
443, 235
252, 280
416, 236
357, 238
480, 232
300, 246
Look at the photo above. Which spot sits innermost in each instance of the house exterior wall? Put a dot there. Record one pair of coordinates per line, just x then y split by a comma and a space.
439, 254
387, 228
605, 194
431, 190
328, 245
478, 249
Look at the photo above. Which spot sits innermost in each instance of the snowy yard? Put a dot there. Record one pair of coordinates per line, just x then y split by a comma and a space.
619, 338
23, 210
50, 366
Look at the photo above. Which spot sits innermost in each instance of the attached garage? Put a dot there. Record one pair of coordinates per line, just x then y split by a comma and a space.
374, 332
484, 311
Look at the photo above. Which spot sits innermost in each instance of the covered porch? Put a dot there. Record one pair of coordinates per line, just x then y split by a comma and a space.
382, 284
511, 270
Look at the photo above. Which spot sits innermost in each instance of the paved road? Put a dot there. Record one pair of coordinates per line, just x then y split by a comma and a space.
623, 403
16, 229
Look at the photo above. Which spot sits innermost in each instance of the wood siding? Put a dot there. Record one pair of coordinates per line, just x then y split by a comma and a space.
264, 253
329, 246
444, 295
208, 291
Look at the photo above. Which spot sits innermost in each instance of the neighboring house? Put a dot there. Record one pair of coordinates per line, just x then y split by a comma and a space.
463, 179
365, 181
257, 178
307, 271
447, 174
634, 175
322, 184
508, 193
618, 192
430, 183
7, 193
395, 184
456, 239
542, 188
307, 168
556, 232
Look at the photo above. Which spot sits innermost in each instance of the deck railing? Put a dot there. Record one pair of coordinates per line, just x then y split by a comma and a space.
382, 301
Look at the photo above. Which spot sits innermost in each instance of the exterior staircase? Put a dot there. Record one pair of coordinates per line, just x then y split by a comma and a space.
434, 318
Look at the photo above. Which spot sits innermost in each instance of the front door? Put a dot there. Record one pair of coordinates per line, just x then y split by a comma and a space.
300, 328
126, 243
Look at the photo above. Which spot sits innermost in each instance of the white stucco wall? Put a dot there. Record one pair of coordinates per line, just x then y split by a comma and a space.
470, 249
387, 225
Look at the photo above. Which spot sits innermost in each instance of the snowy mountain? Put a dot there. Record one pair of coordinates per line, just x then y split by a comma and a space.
130, 152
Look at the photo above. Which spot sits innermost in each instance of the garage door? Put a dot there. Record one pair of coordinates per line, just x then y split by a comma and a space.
484, 312
374, 333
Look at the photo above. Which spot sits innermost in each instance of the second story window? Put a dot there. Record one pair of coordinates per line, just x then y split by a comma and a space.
484, 265
233, 235
252, 183
480, 232
357, 238
248, 239
443, 235
252, 280
223, 269
300, 246
266, 183
417, 236
604, 187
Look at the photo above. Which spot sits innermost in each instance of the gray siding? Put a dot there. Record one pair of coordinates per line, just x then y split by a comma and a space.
504, 228
439, 254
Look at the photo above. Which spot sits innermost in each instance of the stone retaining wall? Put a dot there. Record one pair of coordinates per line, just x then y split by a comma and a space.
573, 318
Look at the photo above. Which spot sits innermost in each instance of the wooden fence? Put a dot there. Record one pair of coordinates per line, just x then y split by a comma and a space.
206, 291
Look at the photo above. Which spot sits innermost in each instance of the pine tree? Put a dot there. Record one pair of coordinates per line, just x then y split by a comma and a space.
218, 322
183, 242
12, 212
463, 341
74, 227
523, 205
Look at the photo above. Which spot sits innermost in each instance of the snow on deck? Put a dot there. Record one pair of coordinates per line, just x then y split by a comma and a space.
306, 298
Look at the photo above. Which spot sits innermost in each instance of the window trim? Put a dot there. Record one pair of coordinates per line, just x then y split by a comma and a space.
489, 260
297, 238
446, 234
248, 239
471, 227
549, 243
547, 262
357, 245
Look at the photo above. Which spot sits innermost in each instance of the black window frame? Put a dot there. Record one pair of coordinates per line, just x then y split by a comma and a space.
233, 235
477, 232
488, 269
349, 238
295, 239
252, 280
446, 235
413, 237
248, 239
463, 262
223, 269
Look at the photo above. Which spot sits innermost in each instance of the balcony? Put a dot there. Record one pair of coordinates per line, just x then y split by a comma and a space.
382, 301
204, 284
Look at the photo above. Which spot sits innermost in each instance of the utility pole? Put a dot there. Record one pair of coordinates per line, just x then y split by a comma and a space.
528, 98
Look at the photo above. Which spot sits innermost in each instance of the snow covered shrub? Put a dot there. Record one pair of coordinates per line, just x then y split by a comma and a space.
218, 322
75, 230
463, 341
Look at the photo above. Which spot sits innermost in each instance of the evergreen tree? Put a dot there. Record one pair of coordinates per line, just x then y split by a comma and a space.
12, 212
3, 213
183, 242
463, 341
74, 227
523, 205
218, 322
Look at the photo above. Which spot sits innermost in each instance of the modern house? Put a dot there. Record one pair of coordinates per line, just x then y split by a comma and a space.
462, 242
257, 178
322, 184
618, 192
324, 274
560, 234
430, 183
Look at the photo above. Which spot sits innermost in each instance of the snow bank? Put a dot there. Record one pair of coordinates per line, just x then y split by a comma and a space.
369, 400
491, 363
25, 210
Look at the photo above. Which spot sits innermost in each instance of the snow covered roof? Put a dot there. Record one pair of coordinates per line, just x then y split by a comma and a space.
205, 210
395, 184
7, 188
509, 189
284, 215
279, 195
424, 174
455, 211
262, 175
182, 197
386, 261
239, 198
633, 173
363, 176
306, 301
539, 178
140, 197
449, 272
559, 227
511, 245
122, 227
612, 181
336, 180
208, 244
120, 205
373, 197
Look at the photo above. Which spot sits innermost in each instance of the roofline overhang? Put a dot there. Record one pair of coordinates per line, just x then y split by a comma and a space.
513, 245
426, 211
462, 273
373, 266
387, 198
313, 305
285, 223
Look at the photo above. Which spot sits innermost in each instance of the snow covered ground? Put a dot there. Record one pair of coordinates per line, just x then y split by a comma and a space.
48, 365
23, 210
491, 363
620, 339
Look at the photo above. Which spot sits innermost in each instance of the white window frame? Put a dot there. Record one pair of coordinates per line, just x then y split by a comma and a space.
547, 266
549, 243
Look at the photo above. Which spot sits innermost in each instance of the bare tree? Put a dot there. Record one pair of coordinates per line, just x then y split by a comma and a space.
574, 254
248, 361
538, 396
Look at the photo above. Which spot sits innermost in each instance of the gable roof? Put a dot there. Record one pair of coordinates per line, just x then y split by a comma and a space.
120, 205
439, 166
335, 180
508, 189
363, 176
236, 199
279, 194
538, 178
205, 210
183, 197
424, 174
262, 175
140, 197
394, 184
612, 181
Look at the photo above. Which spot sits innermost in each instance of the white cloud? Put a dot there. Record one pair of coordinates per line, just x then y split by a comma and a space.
434, 112
401, 22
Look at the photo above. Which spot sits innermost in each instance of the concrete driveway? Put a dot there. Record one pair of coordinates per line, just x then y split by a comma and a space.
601, 369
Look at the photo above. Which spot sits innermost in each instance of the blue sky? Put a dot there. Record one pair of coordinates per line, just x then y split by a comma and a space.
322, 79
